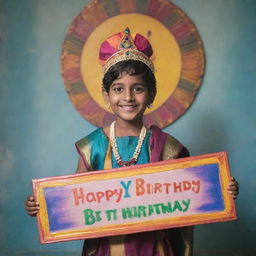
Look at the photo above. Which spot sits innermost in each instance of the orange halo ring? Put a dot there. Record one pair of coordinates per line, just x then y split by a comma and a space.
170, 16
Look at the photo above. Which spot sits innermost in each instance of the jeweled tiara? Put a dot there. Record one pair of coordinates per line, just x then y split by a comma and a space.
122, 46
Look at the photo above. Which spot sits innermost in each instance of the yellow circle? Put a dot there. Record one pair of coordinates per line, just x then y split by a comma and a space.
166, 57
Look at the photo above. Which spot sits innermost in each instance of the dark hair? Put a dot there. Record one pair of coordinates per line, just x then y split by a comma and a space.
133, 68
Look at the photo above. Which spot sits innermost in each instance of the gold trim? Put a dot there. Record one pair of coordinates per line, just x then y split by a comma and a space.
125, 55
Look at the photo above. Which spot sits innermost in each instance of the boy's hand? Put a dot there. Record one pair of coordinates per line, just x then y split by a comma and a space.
31, 206
233, 187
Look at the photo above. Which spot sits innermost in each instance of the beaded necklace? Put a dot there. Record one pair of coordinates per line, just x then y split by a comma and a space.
115, 149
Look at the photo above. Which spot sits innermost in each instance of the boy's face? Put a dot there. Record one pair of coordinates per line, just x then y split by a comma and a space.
128, 97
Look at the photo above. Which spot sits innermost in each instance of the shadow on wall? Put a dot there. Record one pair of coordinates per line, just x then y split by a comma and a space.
223, 239
212, 134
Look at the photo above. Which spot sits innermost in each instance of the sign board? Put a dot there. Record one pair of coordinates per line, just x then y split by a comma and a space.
167, 194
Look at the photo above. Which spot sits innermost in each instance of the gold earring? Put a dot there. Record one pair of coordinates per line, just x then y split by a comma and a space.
107, 105
150, 105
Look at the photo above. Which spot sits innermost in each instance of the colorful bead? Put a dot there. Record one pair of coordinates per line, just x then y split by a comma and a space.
137, 149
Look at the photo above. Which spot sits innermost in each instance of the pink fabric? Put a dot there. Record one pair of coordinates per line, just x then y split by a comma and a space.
103, 249
157, 142
141, 244
106, 51
143, 45
83, 157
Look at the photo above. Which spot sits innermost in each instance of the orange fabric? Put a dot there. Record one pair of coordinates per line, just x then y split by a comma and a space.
115, 40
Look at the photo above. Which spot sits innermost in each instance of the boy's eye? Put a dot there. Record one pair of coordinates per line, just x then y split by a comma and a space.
117, 89
138, 89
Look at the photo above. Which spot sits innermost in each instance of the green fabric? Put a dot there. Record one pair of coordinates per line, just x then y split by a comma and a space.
126, 146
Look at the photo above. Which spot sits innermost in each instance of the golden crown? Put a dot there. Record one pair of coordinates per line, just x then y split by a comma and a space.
128, 48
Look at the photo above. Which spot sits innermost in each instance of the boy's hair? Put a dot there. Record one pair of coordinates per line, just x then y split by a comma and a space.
133, 68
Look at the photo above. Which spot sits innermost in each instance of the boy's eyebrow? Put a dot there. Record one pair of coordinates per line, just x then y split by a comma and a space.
132, 84
117, 84
139, 84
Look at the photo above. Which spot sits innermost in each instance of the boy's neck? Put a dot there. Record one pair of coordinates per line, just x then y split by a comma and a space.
123, 129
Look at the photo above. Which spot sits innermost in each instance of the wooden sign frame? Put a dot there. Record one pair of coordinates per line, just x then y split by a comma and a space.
189, 191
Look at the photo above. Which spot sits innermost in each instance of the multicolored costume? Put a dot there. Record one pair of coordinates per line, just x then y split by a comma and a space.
96, 154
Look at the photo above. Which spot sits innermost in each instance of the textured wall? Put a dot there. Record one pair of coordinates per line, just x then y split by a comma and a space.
39, 124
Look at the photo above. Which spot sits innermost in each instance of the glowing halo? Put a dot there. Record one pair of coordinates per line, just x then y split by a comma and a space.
178, 56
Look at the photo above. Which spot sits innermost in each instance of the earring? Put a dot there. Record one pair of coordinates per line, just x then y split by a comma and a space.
107, 105
150, 105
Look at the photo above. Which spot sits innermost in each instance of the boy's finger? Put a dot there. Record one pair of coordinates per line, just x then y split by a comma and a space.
232, 187
31, 199
233, 179
30, 203
233, 183
33, 213
233, 192
32, 207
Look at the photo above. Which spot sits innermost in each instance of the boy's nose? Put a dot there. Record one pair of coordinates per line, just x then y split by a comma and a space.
129, 95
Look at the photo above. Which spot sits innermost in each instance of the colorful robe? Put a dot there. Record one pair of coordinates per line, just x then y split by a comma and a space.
95, 152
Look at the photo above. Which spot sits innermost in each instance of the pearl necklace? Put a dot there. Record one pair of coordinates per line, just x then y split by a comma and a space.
115, 149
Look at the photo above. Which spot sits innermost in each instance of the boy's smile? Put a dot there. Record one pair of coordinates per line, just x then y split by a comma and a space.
128, 97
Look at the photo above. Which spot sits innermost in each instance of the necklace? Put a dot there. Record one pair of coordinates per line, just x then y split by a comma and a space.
115, 149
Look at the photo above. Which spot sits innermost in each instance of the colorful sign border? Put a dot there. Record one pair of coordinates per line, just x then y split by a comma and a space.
228, 212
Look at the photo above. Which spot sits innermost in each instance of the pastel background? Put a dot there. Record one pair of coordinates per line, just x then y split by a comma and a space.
39, 125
